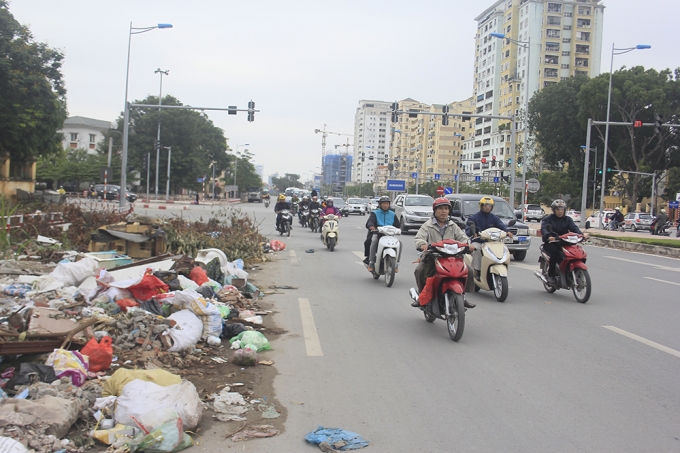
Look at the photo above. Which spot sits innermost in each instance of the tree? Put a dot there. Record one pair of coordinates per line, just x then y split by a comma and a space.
288, 180
75, 166
246, 176
194, 139
364, 190
32, 93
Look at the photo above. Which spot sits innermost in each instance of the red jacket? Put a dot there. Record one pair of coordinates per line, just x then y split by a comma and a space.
331, 210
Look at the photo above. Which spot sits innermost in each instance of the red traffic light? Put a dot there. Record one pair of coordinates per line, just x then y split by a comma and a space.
637, 123
483, 160
493, 157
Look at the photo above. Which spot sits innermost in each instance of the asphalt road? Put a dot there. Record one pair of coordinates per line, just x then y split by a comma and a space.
538, 373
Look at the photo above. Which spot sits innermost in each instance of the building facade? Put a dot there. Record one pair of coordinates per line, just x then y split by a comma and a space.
558, 39
337, 171
371, 138
85, 133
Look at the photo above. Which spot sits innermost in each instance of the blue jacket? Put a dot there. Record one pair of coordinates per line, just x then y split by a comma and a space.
485, 220
380, 218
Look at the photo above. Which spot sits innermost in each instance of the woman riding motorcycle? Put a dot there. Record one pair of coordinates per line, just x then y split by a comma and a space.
329, 209
561, 224
483, 220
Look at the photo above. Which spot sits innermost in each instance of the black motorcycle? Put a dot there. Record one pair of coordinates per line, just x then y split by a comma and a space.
314, 220
286, 223
304, 216
294, 208
664, 230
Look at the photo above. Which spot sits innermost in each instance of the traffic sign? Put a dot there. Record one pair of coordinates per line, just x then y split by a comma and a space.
478, 178
674, 204
533, 185
437, 176
396, 185
414, 175
496, 179
440, 190
455, 178
448, 190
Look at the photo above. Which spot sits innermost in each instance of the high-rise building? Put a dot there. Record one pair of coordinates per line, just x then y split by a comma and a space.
562, 38
337, 171
371, 138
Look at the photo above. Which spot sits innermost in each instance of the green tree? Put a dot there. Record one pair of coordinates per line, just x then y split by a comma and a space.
32, 93
194, 139
246, 176
76, 166
287, 180
364, 190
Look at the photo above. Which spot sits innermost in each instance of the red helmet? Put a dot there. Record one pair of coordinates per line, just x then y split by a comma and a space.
441, 201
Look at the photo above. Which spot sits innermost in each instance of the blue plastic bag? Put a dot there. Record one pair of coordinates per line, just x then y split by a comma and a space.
337, 438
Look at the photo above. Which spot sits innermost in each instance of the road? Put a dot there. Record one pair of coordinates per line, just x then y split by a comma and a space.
539, 372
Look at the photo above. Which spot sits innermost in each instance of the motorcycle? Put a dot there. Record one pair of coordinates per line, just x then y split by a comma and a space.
389, 251
286, 223
493, 275
266, 202
329, 231
314, 220
446, 289
677, 231
663, 231
616, 226
304, 215
294, 208
572, 272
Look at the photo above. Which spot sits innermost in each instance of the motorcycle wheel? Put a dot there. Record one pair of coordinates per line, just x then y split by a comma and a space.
581, 286
331, 244
677, 233
287, 230
500, 287
455, 323
548, 288
429, 317
390, 270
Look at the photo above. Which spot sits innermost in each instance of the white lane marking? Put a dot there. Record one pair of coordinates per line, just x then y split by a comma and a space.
312, 342
359, 254
658, 266
662, 281
292, 253
293, 257
642, 340
524, 266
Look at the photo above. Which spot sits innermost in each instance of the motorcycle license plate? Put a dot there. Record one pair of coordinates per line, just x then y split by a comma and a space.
507, 240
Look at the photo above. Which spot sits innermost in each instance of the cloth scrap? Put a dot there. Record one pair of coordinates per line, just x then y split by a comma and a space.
336, 438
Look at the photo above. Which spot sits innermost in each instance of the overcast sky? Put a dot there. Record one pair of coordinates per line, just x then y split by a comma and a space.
304, 63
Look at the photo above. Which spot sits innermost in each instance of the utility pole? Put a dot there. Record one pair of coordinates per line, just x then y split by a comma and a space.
158, 136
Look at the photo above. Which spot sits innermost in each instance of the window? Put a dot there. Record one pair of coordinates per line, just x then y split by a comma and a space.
74, 136
554, 8
552, 47
566, 40
554, 20
583, 36
552, 59
545, 84
566, 27
550, 72
552, 33
92, 138
567, 14
581, 62
582, 49
565, 66
583, 23
566, 53
584, 10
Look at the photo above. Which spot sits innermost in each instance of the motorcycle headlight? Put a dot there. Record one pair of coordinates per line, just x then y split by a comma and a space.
523, 232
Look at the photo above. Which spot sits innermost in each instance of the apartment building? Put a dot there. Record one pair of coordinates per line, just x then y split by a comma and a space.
82, 132
558, 39
371, 139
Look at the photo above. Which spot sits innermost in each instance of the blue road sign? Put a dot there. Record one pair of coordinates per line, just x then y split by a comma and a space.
396, 185
455, 177
674, 204
478, 178
448, 190
437, 176
414, 175
496, 179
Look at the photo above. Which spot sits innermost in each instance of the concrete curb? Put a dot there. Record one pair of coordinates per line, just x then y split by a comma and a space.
184, 208
636, 247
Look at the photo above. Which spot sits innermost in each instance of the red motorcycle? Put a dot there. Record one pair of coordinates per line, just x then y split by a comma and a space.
443, 296
572, 273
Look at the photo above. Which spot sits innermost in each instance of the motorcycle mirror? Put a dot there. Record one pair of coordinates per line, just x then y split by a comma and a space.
512, 222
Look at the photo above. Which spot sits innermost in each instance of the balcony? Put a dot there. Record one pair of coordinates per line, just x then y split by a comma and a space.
554, 8
550, 73
583, 23
551, 59
552, 33
581, 62
582, 49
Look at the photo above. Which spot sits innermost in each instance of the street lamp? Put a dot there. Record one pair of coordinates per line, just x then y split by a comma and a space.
126, 115
236, 154
615, 51
158, 136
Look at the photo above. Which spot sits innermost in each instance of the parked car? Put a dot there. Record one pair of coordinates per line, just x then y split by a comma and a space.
637, 221
575, 216
111, 191
531, 212
342, 206
412, 210
466, 204
594, 221
131, 196
356, 206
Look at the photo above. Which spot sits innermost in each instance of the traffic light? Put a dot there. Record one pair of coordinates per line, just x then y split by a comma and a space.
412, 113
251, 111
658, 119
467, 118
599, 171
445, 118
395, 115
637, 124
510, 161
483, 160
519, 162
232, 110
609, 170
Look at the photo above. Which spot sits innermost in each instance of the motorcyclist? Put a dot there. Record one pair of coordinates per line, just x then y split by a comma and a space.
561, 224
661, 220
294, 198
483, 219
281, 204
314, 204
303, 204
328, 210
383, 216
436, 229
615, 218
61, 190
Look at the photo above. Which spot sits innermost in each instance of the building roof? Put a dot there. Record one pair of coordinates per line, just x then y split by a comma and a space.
88, 122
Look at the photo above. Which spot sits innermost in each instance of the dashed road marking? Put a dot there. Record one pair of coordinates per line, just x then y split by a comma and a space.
311, 335
359, 254
658, 266
642, 340
662, 281
524, 266
293, 257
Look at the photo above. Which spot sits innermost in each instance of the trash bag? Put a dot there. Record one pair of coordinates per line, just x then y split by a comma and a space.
186, 333
148, 287
30, 373
252, 338
169, 278
118, 380
198, 275
73, 274
69, 363
152, 306
214, 270
337, 439
164, 437
109, 436
276, 245
245, 357
232, 330
209, 314
100, 354
9, 445
206, 291
124, 304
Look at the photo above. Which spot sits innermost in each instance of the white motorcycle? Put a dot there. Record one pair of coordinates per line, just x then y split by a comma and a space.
286, 223
329, 231
495, 260
389, 252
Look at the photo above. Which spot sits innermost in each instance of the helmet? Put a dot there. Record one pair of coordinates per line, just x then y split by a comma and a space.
305, 198
282, 197
329, 201
384, 198
618, 208
558, 204
486, 200
441, 201
663, 211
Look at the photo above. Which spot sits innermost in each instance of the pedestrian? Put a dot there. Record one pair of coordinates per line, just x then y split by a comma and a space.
196, 197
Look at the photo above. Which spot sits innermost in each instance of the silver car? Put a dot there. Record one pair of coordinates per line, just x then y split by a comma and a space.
637, 221
413, 210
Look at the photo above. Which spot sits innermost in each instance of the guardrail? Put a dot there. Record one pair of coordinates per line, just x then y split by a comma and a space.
17, 221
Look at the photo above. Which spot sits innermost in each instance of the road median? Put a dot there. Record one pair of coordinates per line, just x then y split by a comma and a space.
663, 247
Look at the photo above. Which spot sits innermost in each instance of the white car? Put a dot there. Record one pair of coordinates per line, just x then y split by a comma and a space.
373, 204
356, 206
594, 221
575, 216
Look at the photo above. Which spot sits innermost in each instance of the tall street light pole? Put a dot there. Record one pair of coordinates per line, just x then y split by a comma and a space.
158, 136
615, 51
126, 114
236, 154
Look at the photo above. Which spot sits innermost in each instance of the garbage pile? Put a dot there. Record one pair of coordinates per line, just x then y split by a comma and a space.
120, 342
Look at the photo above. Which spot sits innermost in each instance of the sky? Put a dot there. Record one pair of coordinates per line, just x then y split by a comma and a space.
303, 63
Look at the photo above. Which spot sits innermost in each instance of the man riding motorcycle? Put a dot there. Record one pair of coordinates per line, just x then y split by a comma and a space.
303, 204
661, 220
438, 228
615, 218
281, 204
561, 224
383, 216
314, 204
483, 219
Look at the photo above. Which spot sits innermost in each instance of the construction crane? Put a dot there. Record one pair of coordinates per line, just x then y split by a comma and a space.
324, 133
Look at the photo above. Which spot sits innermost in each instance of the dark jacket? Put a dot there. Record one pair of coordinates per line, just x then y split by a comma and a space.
484, 220
281, 205
304, 204
661, 220
616, 216
314, 205
373, 220
560, 226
